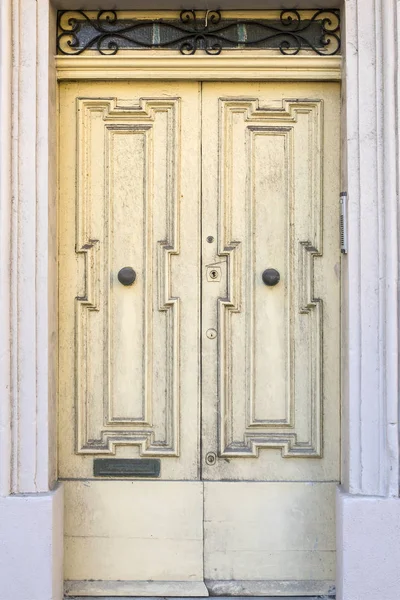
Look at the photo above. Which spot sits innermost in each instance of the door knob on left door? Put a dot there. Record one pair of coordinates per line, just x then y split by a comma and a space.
271, 277
127, 276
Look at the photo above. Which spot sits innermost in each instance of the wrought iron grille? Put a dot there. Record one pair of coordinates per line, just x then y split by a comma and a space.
108, 32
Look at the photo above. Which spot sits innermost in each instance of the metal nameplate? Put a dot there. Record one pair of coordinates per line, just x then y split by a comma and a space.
126, 467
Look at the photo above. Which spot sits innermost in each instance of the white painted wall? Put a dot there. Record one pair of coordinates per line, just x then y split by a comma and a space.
370, 386
31, 506
5, 249
368, 507
31, 546
368, 504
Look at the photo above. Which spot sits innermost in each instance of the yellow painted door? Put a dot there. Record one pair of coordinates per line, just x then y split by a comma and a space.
129, 354
270, 396
199, 406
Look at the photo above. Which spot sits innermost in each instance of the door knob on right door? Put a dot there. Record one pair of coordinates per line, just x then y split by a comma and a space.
127, 276
271, 277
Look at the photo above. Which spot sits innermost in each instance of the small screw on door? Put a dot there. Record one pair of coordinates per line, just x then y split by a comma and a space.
210, 239
211, 458
211, 334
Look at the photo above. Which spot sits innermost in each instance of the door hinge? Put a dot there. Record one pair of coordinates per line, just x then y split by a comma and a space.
343, 222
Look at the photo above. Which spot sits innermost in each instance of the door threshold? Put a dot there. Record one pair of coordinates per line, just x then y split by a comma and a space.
199, 598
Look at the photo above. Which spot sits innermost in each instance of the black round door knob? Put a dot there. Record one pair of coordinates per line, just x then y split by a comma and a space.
271, 277
127, 276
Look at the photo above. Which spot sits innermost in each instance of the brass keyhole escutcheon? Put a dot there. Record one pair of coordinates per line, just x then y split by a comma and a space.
211, 334
214, 273
211, 458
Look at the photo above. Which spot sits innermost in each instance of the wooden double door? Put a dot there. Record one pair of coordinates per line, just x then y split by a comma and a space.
199, 287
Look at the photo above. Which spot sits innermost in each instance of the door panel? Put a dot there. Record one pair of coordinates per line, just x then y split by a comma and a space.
121, 534
270, 200
269, 538
134, 345
270, 401
129, 381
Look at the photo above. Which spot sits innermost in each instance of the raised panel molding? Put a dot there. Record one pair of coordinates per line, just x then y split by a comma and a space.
103, 418
297, 127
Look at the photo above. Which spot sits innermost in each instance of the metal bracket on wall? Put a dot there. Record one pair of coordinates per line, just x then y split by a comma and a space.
343, 222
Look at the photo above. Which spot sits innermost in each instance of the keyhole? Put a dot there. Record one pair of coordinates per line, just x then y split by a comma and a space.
211, 458
213, 274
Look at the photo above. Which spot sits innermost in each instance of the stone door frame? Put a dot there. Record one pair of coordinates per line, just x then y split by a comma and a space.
368, 506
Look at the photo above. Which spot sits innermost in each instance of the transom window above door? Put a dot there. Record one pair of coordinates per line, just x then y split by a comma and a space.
287, 32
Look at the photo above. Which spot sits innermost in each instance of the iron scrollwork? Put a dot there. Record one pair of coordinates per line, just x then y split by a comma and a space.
105, 32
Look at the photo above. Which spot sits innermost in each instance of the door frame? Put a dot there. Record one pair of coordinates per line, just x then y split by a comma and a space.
30, 499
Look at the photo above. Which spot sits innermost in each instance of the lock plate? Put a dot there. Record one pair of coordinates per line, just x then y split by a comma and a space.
214, 273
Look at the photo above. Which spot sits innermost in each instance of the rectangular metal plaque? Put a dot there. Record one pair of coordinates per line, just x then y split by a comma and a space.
126, 467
